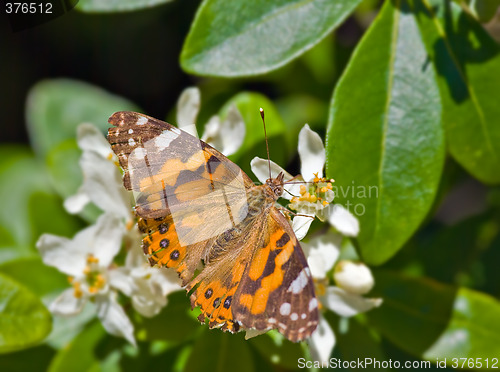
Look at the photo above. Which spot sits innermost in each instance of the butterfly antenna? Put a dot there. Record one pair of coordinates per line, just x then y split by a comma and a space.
267, 144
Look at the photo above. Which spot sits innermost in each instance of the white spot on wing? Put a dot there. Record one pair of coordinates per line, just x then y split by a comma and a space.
308, 272
303, 316
165, 138
139, 153
299, 283
294, 316
313, 304
285, 308
130, 131
271, 321
131, 141
176, 130
141, 121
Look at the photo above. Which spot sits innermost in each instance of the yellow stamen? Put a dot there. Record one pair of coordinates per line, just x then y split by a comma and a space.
325, 203
323, 189
313, 198
70, 279
77, 291
329, 185
87, 270
302, 189
294, 200
91, 259
110, 156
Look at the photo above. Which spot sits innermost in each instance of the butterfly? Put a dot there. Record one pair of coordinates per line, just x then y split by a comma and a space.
234, 250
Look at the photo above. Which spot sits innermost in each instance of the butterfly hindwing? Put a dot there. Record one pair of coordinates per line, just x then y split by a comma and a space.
277, 290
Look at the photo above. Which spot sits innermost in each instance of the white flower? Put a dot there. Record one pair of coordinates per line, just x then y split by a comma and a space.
147, 286
226, 136
87, 260
354, 279
313, 198
102, 183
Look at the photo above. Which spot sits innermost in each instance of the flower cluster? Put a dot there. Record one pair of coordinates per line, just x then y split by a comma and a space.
89, 258
311, 196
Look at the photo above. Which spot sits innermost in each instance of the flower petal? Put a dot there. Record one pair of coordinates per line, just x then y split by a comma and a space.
90, 138
323, 252
67, 304
301, 224
251, 333
68, 256
188, 106
231, 132
107, 239
311, 152
322, 342
121, 280
343, 220
103, 185
113, 318
75, 203
347, 304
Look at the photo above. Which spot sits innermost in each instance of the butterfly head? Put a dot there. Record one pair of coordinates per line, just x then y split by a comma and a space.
276, 185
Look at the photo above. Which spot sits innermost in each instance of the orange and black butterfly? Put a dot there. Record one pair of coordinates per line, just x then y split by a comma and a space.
199, 208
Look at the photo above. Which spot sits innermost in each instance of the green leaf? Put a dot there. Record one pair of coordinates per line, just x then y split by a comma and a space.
385, 145
254, 143
20, 178
24, 321
80, 355
173, 324
430, 320
220, 352
277, 349
485, 9
238, 38
56, 107
99, 6
64, 168
35, 275
34, 359
467, 61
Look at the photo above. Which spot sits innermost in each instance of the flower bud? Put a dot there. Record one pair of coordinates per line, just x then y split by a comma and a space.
353, 277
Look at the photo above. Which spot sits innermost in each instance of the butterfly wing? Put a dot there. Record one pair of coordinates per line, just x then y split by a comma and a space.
277, 290
175, 174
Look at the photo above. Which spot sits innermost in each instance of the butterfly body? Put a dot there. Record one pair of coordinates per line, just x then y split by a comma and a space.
197, 207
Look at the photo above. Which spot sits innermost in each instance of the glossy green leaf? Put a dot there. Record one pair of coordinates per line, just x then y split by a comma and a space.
24, 320
236, 38
56, 107
467, 61
385, 145
80, 355
220, 352
99, 6
429, 319
254, 143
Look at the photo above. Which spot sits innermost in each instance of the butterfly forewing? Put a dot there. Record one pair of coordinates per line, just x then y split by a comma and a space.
173, 173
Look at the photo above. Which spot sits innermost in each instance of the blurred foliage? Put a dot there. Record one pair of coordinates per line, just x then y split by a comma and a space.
405, 93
